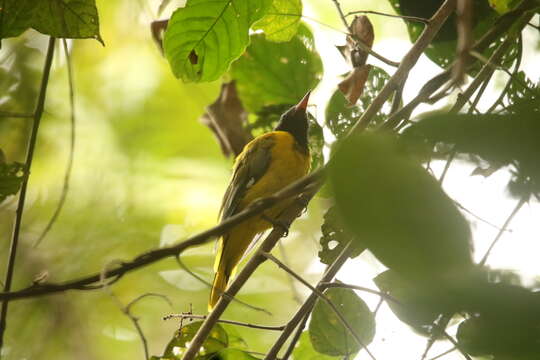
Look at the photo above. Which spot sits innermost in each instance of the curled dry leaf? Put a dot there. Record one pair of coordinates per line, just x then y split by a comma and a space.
361, 31
353, 84
157, 28
226, 117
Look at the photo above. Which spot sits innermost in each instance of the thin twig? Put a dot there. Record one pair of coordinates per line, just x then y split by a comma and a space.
92, 282
24, 187
294, 290
478, 217
232, 322
444, 353
518, 207
341, 15
325, 298
383, 295
307, 307
406, 64
69, 166
379, 304
403, 17
296, 337
457, 346
190, 272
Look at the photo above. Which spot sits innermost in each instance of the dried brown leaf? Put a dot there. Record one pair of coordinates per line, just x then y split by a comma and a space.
353, 85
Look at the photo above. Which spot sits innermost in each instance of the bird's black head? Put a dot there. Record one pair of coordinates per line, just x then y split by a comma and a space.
295, 121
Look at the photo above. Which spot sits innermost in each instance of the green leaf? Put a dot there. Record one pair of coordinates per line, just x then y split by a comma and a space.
15, 17
11, 177
74, 19
334, 237
205, 36
216, 341
411, 309
316, 143
282, 20
304, 350
503, 6
340, 117
398, 210
327, 333
277, 73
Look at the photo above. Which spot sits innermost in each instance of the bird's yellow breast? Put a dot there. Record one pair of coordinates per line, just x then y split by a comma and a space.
288, 164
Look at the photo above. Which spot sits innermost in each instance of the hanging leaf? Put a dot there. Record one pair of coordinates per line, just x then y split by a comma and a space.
75, 19
334, 238
205, 36
399, 211
327, 333
282, 20
271, 73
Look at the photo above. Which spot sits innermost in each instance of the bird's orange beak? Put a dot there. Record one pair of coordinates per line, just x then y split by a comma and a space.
302, 105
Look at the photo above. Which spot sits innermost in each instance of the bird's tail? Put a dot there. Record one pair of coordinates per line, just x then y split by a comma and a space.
221, 278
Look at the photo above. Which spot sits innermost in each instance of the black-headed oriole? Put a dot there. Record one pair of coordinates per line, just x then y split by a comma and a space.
267, 164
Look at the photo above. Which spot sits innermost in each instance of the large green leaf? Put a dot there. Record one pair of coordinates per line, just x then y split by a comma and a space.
76, 19
282, 21
328, 334
205, 36
277, 73
217, 340
398, 210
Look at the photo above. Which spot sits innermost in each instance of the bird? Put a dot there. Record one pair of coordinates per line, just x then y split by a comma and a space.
266, 165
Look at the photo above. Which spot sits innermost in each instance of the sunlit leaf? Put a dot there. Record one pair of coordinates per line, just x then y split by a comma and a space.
334, 237
304, 350
272, 73
205, 36
11, 177
327, 333
282, 20
76, 19
216, 341
398, 210
340, 116
503, 6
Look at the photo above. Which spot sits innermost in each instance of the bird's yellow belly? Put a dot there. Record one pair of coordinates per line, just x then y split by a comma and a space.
288, 164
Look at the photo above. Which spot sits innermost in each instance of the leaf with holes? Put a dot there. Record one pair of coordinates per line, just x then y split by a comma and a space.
205, 36
272, 73
282, 21
328, 334
334, 237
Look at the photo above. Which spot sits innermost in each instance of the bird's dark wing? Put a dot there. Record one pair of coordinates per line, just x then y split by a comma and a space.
249, 167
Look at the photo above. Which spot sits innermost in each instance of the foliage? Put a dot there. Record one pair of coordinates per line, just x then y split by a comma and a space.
329, 335
205, 36
11, 177
282, 20
277, 73
77, 19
